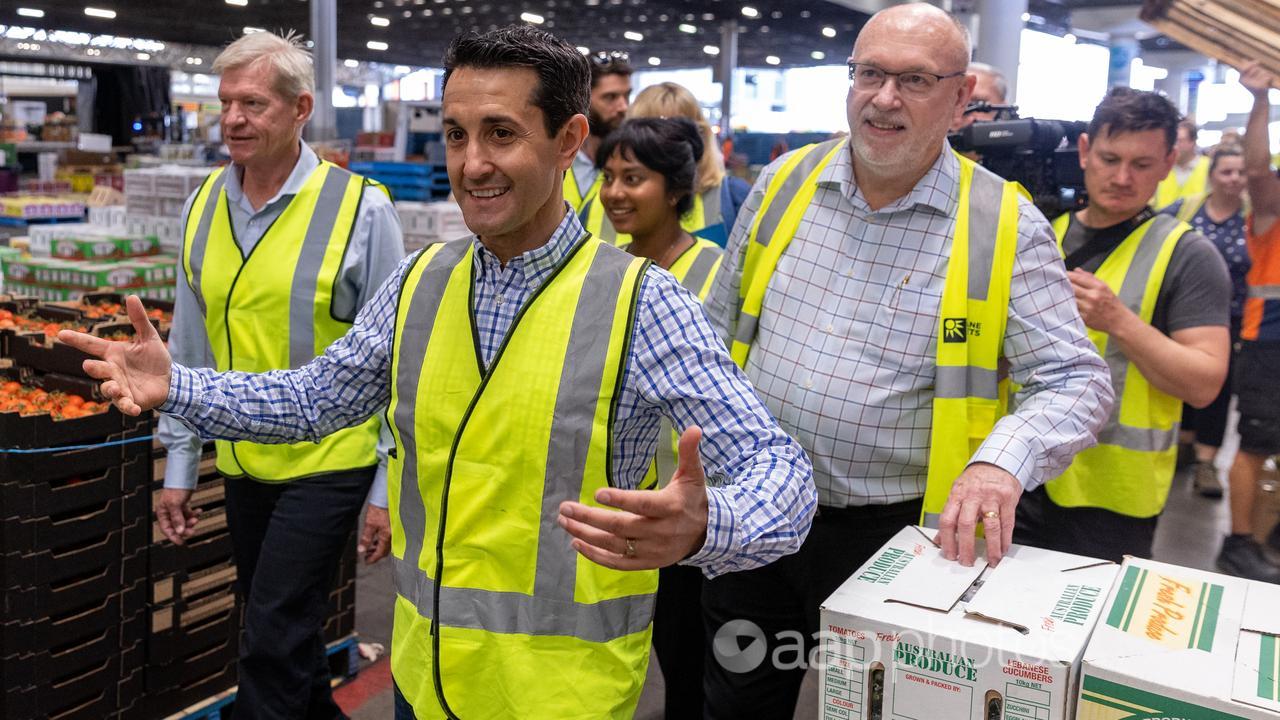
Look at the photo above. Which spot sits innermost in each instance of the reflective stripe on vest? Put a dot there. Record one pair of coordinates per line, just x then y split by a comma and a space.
500, 593
1131, 468
272, 309
1190, 206
695, 270
1170, 190
705, 214
969, 395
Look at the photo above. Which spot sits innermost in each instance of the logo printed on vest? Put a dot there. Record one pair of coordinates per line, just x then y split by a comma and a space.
954, 330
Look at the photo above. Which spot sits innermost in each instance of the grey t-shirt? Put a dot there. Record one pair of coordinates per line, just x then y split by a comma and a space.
1196, 290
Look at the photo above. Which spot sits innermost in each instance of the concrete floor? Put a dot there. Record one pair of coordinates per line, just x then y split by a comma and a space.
1189, 533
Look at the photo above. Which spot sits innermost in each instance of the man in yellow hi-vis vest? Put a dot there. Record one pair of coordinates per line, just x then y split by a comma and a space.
877, 291
527, 371
1156, 296
1189, 176
280, 252
610, 98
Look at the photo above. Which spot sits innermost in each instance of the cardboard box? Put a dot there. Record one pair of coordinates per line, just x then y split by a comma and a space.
913, 636
1175, 642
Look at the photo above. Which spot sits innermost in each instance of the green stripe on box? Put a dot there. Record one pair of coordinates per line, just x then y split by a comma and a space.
1269, 669
1209, 623
1122, 597
1201, 598
1146, 705
1133, 602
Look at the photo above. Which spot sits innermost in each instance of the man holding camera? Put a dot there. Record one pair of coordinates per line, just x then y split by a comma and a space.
1155, 296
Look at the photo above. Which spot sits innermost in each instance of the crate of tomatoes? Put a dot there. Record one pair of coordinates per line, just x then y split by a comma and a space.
49, 410
30, 336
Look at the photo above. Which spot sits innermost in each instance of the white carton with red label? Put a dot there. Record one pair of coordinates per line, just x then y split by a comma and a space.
913, 636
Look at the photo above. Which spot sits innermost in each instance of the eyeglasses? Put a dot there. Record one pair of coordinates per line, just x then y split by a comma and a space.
605, 58
914, 82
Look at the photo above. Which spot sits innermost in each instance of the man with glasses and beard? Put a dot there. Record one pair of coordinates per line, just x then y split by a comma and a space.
610, 99
877, 290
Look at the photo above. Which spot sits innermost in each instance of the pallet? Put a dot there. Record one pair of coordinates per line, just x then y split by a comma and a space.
344, 652
1224, 30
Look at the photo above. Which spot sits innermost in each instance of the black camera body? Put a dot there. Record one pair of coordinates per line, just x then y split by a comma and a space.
1039, 154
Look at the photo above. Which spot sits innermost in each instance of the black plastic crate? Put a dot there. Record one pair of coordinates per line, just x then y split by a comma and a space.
210, 543
62, 529
32, 669
194, 663
339, 625
85, 693
43, 567
65, 595
24, 637
175, 630
158, 703
188, 585
48, 482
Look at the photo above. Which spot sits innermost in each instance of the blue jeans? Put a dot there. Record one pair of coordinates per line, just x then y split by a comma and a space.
404, 711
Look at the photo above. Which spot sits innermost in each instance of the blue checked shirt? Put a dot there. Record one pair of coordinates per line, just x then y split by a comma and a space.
760, 497
845, 350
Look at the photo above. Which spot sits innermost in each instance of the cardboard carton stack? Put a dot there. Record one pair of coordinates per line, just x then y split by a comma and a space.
155, 197
913, 635
1175, 642
428, 223
70, 260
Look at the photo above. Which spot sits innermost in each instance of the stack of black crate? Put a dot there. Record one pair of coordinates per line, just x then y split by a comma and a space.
70, 522
192, 616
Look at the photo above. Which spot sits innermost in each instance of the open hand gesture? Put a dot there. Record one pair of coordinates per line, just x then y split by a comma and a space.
650, 529
137, 372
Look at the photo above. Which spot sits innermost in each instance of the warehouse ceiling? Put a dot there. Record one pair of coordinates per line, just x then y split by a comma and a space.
675, 32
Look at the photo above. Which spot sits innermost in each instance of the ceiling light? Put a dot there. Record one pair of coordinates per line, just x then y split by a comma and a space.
655, 61
194, 61
100, 13
1069, 37
249, 30
584, 49
143, 56
351, 63
403, 69
773, 60
750, 12
30, 12
1026, 17
379, 21
532, 18
818, 55
238, 3
633, 35
829, 31
376, 45
711, 49
687, 28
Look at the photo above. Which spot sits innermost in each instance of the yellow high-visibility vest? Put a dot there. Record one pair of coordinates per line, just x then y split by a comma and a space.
575, 196
1131, 468
1170, 190
969, 393
707, 212
271, 309
695, 270
496, 616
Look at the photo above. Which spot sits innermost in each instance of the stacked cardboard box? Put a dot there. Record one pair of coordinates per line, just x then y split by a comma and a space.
155, 197
69, 261
427, 223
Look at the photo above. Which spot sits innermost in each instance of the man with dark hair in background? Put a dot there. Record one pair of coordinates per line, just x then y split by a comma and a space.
610, 99
1189, 176
525, 372
1155, 296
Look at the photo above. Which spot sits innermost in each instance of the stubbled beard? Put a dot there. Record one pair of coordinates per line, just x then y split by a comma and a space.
599, 126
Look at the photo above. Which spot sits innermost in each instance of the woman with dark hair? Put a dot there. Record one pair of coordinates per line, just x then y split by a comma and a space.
650, 168
1218, 215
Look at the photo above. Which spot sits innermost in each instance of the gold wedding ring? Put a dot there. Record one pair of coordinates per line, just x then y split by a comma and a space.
991, 515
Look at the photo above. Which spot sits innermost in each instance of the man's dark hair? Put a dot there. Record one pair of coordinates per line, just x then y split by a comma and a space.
609, 63
564, 79
1128, 110
669, 146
